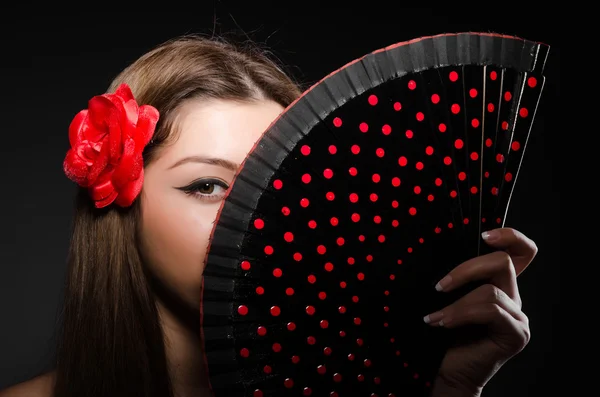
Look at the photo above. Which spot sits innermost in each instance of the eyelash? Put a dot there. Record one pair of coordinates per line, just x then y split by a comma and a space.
192, 189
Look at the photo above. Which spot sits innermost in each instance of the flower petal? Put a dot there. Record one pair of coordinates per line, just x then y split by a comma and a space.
115, 135
146, 125
77, 126
129, 117
101, 110
103, 187
129, 167
128, 195
100, 163
107, 201
75, 168
124, 92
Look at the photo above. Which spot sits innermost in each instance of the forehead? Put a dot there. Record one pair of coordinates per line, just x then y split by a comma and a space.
218, 128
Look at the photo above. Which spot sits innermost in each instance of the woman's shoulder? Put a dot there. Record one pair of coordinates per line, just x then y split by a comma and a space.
40, 386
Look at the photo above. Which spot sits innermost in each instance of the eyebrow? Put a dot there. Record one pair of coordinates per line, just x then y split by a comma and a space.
229, 165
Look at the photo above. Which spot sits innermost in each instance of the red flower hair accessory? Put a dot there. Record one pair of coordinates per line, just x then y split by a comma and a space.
107, 141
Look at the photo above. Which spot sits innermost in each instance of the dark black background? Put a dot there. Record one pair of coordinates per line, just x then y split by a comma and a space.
54, 60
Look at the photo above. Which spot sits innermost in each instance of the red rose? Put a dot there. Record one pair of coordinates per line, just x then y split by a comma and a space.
107, 141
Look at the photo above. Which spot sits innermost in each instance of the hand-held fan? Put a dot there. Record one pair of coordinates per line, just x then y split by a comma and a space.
352, 205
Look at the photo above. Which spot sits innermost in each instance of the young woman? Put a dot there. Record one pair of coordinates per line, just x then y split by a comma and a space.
131, 312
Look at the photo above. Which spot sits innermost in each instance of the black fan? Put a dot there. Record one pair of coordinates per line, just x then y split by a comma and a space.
353, 204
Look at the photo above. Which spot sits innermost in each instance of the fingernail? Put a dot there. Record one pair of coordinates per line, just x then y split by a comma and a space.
491, 235
443, 283
434, 318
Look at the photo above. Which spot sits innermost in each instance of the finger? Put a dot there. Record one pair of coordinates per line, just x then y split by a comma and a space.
506, 330
487, 293
520, 247
496, 268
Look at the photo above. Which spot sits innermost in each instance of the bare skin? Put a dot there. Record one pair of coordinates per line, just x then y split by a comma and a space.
182, 193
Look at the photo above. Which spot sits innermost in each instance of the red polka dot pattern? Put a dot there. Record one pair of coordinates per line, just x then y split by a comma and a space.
351, 207
512, 94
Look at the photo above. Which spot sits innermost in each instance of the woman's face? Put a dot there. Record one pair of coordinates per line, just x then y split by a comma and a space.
184, 187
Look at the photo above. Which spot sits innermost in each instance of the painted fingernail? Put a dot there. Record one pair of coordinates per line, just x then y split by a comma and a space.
433, 318
443, 283
490, 235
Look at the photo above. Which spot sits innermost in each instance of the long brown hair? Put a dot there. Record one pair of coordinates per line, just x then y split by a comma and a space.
111, 341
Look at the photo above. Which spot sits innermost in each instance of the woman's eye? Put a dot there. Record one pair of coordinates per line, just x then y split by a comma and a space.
206, 189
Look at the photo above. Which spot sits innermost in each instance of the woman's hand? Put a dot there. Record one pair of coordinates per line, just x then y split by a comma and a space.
469, 365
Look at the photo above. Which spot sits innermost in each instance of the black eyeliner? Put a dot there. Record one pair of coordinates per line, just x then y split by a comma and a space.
206, 181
